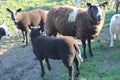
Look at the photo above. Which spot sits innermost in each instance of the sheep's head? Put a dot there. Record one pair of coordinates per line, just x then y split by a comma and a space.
96, 11
35, 32
14, 14
3, 30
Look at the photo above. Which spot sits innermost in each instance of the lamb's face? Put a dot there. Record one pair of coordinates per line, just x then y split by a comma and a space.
96, 11
35, 32
14, 14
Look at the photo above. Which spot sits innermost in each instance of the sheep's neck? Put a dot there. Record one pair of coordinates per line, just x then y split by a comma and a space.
20, 17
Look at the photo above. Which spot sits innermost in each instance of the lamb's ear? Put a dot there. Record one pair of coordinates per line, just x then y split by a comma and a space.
104, 4
18, 10
89, 5
8, 10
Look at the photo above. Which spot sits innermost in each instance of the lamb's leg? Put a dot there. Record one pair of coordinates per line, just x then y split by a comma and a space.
71, 70
42, 68
90, 50
67, 62
26, 39
48, 64
77, 63
84, 48
23, 36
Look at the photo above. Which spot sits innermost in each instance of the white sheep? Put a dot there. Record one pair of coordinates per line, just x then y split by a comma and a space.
114, 28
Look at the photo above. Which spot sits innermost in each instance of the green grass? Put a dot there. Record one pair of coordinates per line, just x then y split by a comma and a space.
105, 65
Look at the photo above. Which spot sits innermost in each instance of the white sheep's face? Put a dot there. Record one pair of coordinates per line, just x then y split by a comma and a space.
4, 30
96, 11
14, 14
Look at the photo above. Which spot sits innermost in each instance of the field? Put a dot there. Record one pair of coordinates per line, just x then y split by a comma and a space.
17, 63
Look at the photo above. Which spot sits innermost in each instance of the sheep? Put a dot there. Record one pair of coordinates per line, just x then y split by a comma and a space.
117, 3
36, 17
114, 28
4, 30
85, 24
62, 48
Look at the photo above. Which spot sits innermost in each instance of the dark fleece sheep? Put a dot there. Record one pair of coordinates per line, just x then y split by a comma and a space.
64, 48
85, 24
36, 17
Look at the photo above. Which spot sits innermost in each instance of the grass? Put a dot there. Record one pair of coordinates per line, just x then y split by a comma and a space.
105, 65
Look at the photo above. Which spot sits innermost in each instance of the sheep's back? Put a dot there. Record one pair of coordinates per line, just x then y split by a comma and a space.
50, 47
34, 17
57, 19
115, 24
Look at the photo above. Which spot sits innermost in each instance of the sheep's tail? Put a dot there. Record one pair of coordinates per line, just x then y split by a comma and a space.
78, 51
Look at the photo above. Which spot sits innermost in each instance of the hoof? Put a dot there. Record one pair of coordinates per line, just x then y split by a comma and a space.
77, 74
49, 68
85, 57
91, 55
24, 45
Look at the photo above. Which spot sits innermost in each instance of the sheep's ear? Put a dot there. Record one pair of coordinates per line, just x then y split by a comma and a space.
8, 10
19, 10
104, 4
89, 5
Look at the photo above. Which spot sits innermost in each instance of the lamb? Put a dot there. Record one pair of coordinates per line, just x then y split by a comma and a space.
114, 28
36, 17
3, 30
85, 24
63, 48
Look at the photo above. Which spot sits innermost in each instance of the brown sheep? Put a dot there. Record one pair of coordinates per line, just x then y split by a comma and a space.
63, 48
36, 17
85, 24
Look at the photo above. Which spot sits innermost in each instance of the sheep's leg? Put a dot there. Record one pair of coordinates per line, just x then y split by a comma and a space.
84, 49
26, 39
90, 50
67, 62
117, 8
119, 37
114, 36
71, 70
77, 63
23, 36
0, 38
42, 68
48, 64
112, 40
